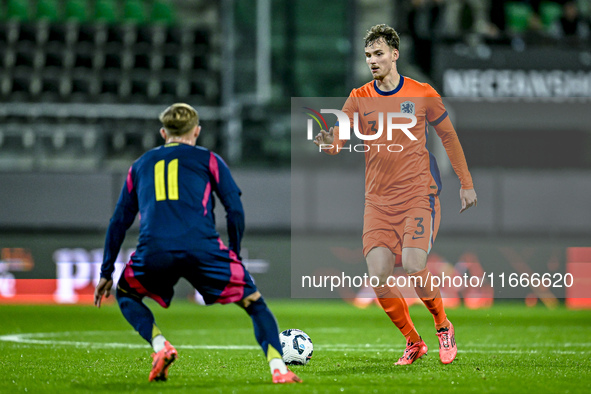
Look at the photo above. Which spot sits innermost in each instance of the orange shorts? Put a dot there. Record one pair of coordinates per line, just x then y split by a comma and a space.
413, 224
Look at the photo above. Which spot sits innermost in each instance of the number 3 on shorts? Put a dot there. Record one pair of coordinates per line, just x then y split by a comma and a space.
420, 225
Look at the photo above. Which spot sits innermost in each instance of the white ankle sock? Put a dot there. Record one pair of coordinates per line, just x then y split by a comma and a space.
158, 343
277, 363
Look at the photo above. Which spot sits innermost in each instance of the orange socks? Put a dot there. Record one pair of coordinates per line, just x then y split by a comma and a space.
395, 307
431, 297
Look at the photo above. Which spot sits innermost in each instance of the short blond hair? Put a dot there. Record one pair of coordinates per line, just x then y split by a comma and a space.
179, 118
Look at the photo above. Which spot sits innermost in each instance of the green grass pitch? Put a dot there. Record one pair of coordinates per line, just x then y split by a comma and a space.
507, 348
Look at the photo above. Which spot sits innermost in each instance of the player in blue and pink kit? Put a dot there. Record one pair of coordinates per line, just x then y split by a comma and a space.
172, 187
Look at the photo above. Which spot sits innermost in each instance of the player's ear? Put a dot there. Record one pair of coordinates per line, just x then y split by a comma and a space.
395, 54
197, 131
163, 133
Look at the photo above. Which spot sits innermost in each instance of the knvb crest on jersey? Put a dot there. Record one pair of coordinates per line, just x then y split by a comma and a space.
407, 107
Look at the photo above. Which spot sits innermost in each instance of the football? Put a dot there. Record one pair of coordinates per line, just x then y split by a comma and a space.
297, 347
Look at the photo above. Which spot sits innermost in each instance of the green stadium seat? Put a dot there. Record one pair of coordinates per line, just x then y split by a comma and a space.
518, 16
18, 10
162, 13
134, 11
550, 12
106, 11
77, 10
47, 10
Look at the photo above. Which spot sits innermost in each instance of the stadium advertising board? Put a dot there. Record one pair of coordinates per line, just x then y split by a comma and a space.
501, 71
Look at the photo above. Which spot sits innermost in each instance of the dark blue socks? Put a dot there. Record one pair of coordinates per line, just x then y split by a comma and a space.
137, 314
266, 330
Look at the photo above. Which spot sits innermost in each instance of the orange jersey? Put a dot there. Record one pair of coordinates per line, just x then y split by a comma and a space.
396, 167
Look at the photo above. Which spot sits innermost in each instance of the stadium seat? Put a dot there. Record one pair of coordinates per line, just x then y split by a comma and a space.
124, 89
198, 87
154, 35
199, 61
171, 61
27, 33
47, 10
106, 11
114, 57
142, 60
81, 84
139, 83
550, 12
76, 10
84, 56
156, 61
134, 11
9, 33
18, 10
110, 83
93, 34
20, 81
169, 85
8, 59
125, 34
201, 36
64, 33
25, 55
162, 13
54, 55
145, 35
35, 86
51, 82
174, 35
5, 84
518, 16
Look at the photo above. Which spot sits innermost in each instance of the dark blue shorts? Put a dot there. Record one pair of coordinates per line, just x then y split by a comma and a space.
216, 272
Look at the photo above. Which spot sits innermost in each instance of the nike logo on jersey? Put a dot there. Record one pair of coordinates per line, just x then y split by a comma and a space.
413, 237
365, 114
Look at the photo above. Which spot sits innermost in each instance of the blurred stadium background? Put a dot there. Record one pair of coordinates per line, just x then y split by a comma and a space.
82, 83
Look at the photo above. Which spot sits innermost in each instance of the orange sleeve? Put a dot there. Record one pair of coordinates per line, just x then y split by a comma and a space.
445, 130
349, 109
437, 117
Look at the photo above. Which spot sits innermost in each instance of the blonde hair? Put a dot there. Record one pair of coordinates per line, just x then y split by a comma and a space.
179, 118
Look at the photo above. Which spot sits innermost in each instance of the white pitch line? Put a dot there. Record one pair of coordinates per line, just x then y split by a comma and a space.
35, 339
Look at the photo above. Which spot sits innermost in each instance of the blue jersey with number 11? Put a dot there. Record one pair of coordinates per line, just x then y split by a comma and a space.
171, 187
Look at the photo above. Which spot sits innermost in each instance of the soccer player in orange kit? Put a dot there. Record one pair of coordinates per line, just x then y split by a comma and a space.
402, 185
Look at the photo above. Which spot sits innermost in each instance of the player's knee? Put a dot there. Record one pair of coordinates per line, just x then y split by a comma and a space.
382, 278
412, 266
380, 263
413, 260
120, 293
124, 293
256, 306
248, 300
381, 272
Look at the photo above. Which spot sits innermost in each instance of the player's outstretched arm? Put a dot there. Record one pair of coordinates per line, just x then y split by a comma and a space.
468, 198
103, 288
325, 138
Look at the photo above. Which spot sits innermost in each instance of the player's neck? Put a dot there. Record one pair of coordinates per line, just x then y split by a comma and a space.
389, 82
181, 140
